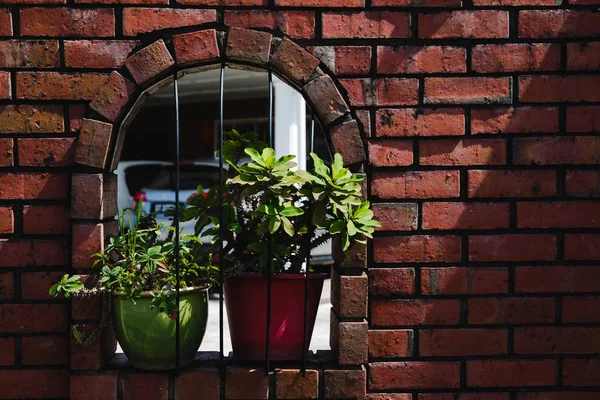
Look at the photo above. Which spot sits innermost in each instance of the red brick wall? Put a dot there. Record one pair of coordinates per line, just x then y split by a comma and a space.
480, 119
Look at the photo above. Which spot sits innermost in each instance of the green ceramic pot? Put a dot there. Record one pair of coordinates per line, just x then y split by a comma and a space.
147, 336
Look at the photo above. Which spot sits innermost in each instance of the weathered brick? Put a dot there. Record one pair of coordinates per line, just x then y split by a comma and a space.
196, 46
458, 280
7, 350
516, 57
396, 216
93, 196
7, 220
516, 247
558, 23
417, 248
397, 91
556, 340
149, 62
51, 220
326, 99
420, 59
139, 385
38, 185
29, 54
577, 309
555, 88
557, 279
51, 152
93, 144
384, 282
5, 86
346, 140
558, 214
582, 246
6, 26
144, 20
112, 97
31, 119
99, 386
525, 183
58, 85
420, 122
512, 310
44, 350
464, 24
514, 120
583, 119
198, 383
349, 295
366, 24
468, 90
49, 383
6, 152
343, 60
583, 56
390, 343
455, 215
353, 343
360, 92
462, 342
33, 318
35, 285
556, 150
462, 152
415, 184
295, 62
511, 373
67, 22
417, 3
581, 372
414, 375
391, 153
245, 383
249, 45
345, 384
293, 384
97, 53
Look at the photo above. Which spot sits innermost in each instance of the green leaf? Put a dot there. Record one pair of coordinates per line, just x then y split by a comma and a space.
287, 226
274, 224
291, 212
351, 228
336, 227
255, 156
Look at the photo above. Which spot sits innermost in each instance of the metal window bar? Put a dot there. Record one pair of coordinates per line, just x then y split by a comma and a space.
269, 249
176, 221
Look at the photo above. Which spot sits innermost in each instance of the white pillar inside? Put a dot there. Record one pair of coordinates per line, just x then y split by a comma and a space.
290, 122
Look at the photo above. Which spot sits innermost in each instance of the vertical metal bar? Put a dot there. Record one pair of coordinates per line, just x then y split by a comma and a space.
269, 249
221, 215
307, 282
177, 277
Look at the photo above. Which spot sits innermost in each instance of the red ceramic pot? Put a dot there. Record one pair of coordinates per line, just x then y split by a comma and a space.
246, 301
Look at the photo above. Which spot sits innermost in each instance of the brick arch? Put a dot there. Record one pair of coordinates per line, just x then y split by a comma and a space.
93, 192
152, 63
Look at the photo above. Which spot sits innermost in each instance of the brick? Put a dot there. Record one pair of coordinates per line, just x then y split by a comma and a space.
462, 342
7, 291
516, 3
144, 20
345, 384
140, 385
150, 61
76, 114
556, 340
583, 56
468, 90
93, 196
397, 91
6, 153
7, 220
414, 375
350, 295
33, 318
29, 54
558, 214
556, 150
90, 307
582, 246
511, 373
421, 59
391, 281
417, 184
396, 216
48, 383
112, 97
44, 350
6, 27
292, 384
244, 383
583, 119
579, 395
52, 152
453, 281
516, 57
557, 279
417, 3
346, 140
93, 144
420, 122
32, 253
196, 46
454, 215
44, 186
224, 2
31, 119
35, 285
320, 3
5, 86
296, 24
417, 248
59, 86
580, 309
462, 152
326, 100
67, 22
514, 120
353, 343
293, 61
558, 23
97, 53
390, 343
99, 386
7, 351
345, 60
365, 24
249, 45
198, 383
389, 313
516, 247
503, 184
50, 220
512, 310
391, 153
354, 257
360, 92
555, 88
581, 372
478, 24
88, 240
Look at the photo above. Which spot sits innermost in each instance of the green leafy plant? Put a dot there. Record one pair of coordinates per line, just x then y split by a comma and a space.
271, 209
136, 261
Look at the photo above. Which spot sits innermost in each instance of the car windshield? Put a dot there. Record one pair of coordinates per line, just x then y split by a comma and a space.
190, 177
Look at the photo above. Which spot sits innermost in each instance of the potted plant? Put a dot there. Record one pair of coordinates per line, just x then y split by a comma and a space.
138, 271
273, 215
